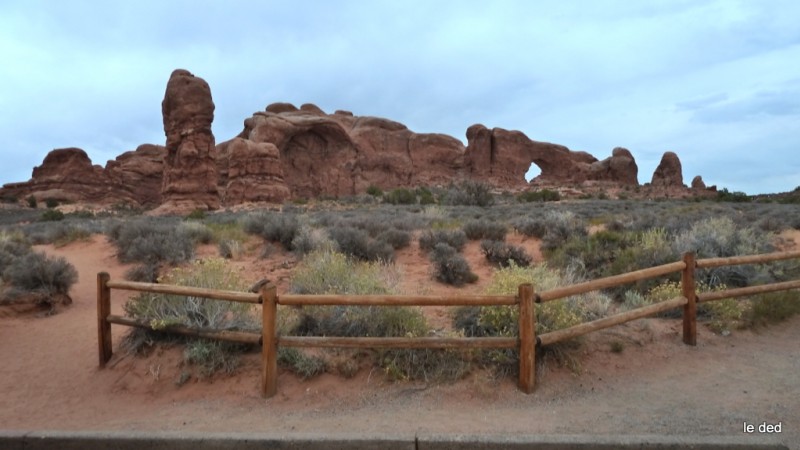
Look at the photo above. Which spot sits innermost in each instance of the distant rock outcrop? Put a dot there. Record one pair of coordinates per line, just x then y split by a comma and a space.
250, 172
698, 183
288, 152
190, 169
669, 172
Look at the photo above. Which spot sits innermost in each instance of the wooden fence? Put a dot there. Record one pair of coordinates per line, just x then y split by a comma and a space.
526, 342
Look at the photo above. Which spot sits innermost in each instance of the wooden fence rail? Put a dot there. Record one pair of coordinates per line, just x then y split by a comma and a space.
526, 341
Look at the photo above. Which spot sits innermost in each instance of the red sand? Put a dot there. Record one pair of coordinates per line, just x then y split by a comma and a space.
49, 378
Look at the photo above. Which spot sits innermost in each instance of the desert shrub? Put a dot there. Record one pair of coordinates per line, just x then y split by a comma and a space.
553, 227
396, 238
359, 244
721, 237
51, 203
48, 278
485, 229
197, 214
212, 356
162, 310
280, 228
498, 252
304, 365
544, 195
310, 240
469, 193
425, 196
719, 314
150, 241
400, 196
333, 273
31, 201
146, 273
330, 272
531, 227
503, 320
12, 246
773, 307
374, 191
230, 249
52, 215
450, 267
197, 232
456, 239
723, 195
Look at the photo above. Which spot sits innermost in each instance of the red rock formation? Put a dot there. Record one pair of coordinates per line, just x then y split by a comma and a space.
190, 170
252, 172
287, 151
669, 172
698, 183
65, 174
620, 168
138, 174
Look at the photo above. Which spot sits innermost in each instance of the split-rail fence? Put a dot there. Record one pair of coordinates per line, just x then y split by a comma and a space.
526, 342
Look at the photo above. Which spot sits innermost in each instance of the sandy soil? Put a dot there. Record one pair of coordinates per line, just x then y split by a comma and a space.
49, 378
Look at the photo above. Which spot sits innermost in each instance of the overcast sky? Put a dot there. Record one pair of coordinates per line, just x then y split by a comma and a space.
717, 82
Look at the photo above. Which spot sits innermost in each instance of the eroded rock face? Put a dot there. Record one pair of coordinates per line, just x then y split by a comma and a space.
669, 172
132, 179
190, 170
620, 168
289, 152
139, 174
252, 173
68, 174
698, 183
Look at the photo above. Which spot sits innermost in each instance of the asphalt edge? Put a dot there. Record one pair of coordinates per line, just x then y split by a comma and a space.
124, 440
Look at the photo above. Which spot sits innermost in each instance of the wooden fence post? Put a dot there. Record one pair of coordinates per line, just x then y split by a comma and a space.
103, 311
527, 339
690, 309
269, 340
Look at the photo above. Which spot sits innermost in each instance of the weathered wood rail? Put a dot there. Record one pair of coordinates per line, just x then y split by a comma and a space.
526, 341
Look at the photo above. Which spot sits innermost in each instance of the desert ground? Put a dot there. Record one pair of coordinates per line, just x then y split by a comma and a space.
50, 378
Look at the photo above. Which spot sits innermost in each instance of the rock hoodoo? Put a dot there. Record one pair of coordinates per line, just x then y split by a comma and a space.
190, 169
289, 152
669, 172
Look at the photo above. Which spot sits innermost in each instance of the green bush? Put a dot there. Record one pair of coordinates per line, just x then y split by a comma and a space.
724, 195
300, 363
456, 239
374, 191
197, 214
197, 232
400, 196
329, 272
773, 307
146, 273
485, 229
162, 311
544, 195
52, 215
425, 196
51, 203
450, 267
503, 254
31, 201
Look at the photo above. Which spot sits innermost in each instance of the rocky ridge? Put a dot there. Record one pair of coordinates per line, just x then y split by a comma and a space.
287, 152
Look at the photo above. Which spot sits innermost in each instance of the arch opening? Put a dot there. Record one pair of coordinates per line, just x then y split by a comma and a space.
533, 172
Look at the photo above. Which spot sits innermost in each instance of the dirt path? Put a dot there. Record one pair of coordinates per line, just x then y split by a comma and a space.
49, 380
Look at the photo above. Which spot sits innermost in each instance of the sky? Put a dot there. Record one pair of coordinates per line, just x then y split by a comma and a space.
717, 82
